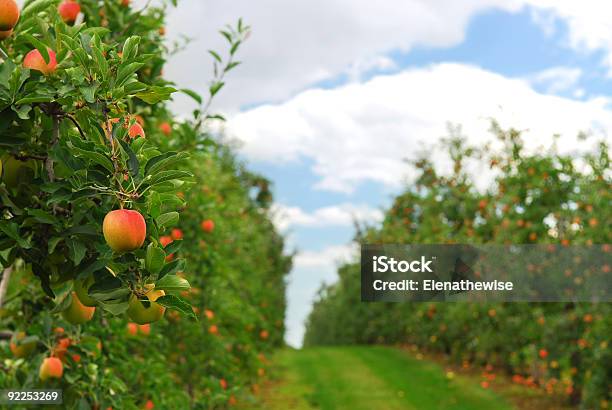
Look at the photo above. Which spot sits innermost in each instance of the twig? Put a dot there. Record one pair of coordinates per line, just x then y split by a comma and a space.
6, 277
54, 139
76, 124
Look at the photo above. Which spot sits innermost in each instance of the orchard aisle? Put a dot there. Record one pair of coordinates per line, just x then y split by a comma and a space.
369, 377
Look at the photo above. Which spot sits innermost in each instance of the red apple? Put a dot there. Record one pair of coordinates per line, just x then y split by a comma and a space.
51, 367
69, 10
208, 225
165, 128
9, 14
177, 234
136, 130
35, 61
124, 230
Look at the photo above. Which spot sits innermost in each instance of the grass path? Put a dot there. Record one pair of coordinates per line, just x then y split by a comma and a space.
369, 378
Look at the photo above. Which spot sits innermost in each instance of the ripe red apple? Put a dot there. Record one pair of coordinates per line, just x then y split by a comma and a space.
165, 128
5, 34
177, 234
143, 315
35, 61
136, 130
61, 348
149, 405
51, 367
9, 14
124, 230
145, 329
77, 312
69, 10
208, 225
132, 329
21, 349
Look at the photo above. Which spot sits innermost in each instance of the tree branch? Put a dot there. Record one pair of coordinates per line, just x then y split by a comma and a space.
6, 277
54, 139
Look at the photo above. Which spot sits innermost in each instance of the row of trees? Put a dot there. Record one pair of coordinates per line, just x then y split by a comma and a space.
140, 268
544, 197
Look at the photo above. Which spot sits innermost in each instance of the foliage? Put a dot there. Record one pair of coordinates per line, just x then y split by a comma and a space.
71, 154
543, 197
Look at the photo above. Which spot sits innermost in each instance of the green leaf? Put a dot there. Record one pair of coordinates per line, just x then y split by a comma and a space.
132, 162
77, 250
172, 283
126, 71
12, 230
130, 47
156, 94
35, 7
95, 157
177, 303
42, 216
215, 55
164, 176
174, 266
154, 260
192, 94
161, 161
168, 219
214, 88
39, 45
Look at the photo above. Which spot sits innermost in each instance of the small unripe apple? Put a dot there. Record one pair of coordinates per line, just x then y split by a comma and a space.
124, 230
35, 61
136, 130
9, 14
165, 128
21, 349
69, 11
208, 225
16, 171
5, 34
51, 367
77, 312
81, 287
125, 3
143, 315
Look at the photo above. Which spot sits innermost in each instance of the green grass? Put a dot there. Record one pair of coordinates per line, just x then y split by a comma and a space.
369, 378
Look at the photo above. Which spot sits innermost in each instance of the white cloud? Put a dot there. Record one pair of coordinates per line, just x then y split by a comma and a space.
327, 259
556, 79
588, 22
298, 43
363, 132
336, 215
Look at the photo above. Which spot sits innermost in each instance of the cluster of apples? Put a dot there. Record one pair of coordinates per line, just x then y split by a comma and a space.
125, 231
9, 16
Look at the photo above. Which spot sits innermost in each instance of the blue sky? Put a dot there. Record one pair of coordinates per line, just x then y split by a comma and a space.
330, 121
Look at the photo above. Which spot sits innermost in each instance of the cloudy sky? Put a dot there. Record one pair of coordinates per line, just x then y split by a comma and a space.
333, 95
